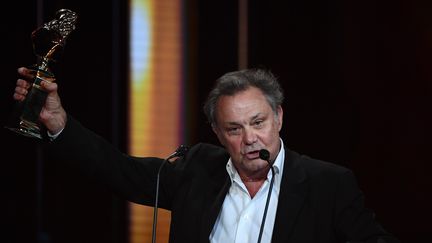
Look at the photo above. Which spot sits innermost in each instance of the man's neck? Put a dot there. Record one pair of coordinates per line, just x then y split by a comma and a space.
253, 187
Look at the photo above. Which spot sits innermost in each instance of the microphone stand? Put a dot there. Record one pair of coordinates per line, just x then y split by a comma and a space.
155, 209
180, 151
265, 155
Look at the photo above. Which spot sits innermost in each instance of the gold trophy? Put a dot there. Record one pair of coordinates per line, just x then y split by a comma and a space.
48, 43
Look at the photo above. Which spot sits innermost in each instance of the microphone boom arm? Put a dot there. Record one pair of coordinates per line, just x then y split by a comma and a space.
265, 155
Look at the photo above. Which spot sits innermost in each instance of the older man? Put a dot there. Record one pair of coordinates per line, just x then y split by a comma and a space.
219, 194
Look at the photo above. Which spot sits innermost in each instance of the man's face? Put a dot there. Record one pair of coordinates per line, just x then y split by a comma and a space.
245, 124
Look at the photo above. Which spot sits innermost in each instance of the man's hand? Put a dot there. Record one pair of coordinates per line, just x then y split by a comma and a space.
52, 115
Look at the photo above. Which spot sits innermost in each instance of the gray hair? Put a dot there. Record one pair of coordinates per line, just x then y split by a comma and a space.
234, 82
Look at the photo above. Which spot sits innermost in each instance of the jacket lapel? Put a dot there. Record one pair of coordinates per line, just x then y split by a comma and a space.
215, 199
291, 199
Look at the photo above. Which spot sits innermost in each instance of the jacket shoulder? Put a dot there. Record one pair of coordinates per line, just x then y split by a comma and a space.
315, 167
204, 155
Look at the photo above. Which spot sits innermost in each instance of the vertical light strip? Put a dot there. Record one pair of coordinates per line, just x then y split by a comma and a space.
155, 96
243, 34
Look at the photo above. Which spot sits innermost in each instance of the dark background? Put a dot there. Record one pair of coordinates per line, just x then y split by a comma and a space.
356, 75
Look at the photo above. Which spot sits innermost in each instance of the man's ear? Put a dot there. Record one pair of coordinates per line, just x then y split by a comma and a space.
213, 126
218, 134
280, 116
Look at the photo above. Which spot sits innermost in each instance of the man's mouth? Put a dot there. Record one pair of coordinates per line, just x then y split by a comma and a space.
252, 155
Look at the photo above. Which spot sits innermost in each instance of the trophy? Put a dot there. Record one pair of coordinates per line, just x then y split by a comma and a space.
48, 43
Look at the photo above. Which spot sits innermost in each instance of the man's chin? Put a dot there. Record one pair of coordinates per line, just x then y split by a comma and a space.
256, 163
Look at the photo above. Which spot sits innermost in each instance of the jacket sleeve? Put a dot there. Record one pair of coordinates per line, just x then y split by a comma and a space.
131, 178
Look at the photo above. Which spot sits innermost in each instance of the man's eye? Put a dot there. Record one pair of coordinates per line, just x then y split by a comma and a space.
233, 130
258, 123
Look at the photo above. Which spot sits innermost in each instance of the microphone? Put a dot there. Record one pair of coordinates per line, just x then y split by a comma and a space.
264, 154
179, 152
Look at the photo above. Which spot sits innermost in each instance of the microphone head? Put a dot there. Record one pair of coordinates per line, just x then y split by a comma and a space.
264, 154
181, 150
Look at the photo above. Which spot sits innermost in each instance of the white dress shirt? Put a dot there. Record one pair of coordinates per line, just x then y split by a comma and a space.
240, 218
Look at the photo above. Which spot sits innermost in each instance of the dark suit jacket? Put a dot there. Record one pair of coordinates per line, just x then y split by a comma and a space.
318, 201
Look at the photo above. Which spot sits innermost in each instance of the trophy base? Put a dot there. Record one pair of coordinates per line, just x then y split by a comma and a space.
28, 129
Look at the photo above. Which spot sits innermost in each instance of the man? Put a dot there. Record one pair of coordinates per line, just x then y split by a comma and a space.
219, 194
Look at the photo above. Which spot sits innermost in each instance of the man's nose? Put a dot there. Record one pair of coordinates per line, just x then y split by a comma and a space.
249, 136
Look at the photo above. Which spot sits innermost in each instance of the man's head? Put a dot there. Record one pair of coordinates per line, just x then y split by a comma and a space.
244, 109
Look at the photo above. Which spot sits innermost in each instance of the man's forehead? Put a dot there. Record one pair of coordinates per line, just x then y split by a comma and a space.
245, 105
245, 119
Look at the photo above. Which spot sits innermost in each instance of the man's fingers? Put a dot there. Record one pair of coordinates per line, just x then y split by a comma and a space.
26, 73
23, 83
49, 86
18, 97
21, 91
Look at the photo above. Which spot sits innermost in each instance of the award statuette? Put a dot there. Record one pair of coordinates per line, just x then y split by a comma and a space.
48, 43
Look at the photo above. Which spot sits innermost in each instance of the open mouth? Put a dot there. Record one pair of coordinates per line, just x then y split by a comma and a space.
253, 155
